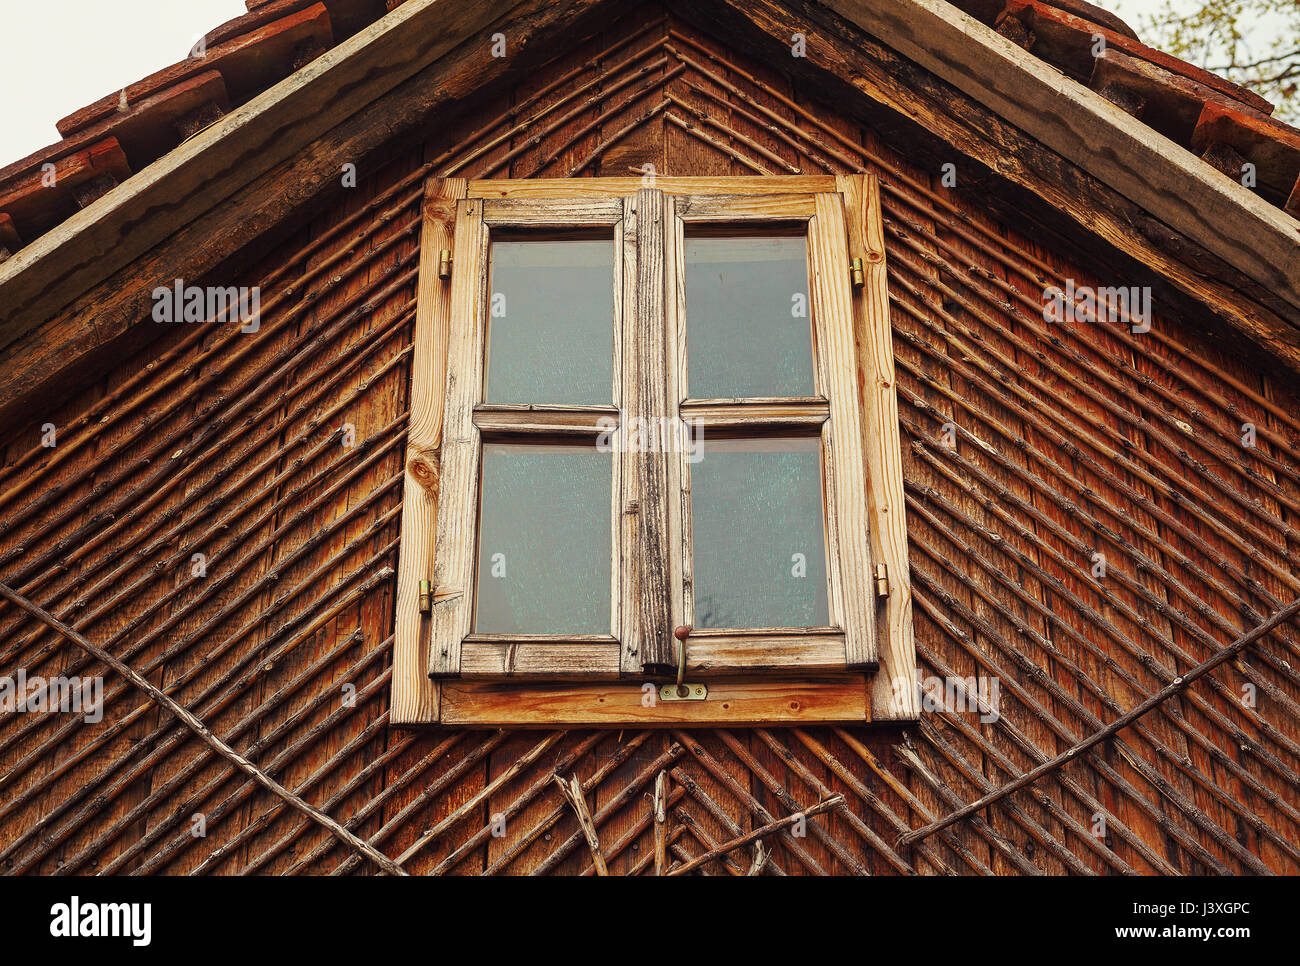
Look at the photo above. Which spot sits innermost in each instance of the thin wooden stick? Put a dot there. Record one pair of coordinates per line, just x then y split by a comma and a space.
1174, 687
200, 729
573, 794
661, 819
835, 801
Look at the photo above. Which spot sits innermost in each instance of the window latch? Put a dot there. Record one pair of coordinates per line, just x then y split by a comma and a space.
681, 691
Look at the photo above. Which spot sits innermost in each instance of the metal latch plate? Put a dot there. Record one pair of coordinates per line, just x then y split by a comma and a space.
694, 692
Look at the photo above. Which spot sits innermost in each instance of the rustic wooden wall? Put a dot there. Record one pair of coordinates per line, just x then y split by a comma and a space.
1070, 440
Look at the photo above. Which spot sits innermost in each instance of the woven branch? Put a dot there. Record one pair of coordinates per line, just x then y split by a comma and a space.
1174, 687
200, 729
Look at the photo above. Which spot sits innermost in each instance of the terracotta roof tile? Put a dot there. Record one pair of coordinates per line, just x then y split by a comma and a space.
249, 62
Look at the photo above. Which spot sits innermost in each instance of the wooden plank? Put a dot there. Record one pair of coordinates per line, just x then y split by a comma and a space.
544, 420
414, 697
717, 414
648, 399
559, 213
245, 144
746, 208
709, 654
844, 476
837, 49
623, 187
893, 694
577, 660
795, 650
457, 516
775, 701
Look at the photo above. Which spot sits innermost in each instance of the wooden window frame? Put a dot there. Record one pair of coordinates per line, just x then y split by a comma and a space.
845, 672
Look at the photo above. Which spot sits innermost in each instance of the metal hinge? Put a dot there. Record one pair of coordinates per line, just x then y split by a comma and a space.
429, 596
856, 274
882, 580
444, 263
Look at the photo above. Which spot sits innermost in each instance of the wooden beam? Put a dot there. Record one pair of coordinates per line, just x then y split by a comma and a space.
620, 187
1162, 177
414, 697
774, 701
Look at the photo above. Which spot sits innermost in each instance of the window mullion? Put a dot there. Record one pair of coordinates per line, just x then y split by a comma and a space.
647, 643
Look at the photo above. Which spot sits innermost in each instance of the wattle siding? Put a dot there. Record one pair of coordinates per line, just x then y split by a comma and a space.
1070, 440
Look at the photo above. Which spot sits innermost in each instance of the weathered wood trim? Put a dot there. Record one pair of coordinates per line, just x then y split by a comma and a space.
414, 697
453, 569
242, 146
711, 652
545, 420
843, 468
894, 693
741, 208
777, 701
739, 415
746, 185
559, 213
648, 399
577, 659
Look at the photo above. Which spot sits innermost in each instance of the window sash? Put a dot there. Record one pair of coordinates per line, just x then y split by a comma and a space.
650, 510
833, 413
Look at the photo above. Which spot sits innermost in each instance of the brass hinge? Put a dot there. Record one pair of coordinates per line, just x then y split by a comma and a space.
856, 275
882, 580
444, 264
430, 596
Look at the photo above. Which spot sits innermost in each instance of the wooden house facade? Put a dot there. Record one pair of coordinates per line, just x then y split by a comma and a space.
1102, 516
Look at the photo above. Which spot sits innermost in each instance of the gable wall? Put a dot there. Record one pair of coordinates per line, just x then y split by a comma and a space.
1070, 441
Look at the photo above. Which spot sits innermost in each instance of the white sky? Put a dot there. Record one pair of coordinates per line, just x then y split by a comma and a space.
57, 56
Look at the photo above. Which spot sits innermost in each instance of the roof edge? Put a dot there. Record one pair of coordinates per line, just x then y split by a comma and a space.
89, 247
1079, 124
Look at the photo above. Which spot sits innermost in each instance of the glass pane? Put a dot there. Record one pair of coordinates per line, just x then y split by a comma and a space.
544, 540
760, 552
551, 322
748, 318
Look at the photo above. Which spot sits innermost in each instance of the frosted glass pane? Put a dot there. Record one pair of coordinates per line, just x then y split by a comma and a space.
551, 322
748, 318
544, 540
760, 553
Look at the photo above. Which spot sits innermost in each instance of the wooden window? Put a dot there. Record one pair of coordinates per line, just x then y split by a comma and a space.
641, 406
